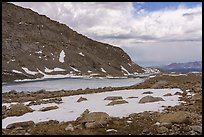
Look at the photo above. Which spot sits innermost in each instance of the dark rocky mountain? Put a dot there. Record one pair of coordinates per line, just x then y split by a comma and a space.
183, 67
34, 46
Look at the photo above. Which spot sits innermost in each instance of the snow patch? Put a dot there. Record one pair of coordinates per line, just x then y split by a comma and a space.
29, 72
62, 55
81, 54
16, 71
150, 70
89, 71
75, 69
96, 103
124, 70
103, 70
39, 52
111, 130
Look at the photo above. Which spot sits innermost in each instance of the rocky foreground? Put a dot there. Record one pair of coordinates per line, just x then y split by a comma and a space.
183, 119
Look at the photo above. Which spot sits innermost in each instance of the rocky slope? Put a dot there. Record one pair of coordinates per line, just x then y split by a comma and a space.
35, 46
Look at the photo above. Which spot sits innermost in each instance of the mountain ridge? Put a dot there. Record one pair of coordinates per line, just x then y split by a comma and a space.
182, 67
34, 46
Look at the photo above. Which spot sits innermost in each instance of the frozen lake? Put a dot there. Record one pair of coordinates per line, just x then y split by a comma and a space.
70, 84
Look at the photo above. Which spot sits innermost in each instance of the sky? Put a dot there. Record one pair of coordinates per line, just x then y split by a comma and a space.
151, 33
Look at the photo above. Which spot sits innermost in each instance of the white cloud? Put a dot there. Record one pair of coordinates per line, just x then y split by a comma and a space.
122, 24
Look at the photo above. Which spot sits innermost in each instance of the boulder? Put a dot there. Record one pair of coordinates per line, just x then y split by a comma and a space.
147, 99
13, 92
176, 117
94, 119
162, 130
81, 99
25, 124
113, 98
49, 108
116, 102
18, 110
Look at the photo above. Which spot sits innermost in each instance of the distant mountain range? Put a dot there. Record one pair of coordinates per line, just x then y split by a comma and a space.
182, 67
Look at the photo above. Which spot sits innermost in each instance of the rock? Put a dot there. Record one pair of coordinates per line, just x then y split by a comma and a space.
79, 126
41, 91
84, 114
92, 125
81, 99
196, 128
175, 117
132, 97
55, 100
25, 124
147, 99
157, 124
116, 102
18, 110
178, 93
49, 108
147, 92
58, 99
162, 130
34, 103
168, 94
113, 98
94, 119
166, 124
159, 84
13, 92
69, 127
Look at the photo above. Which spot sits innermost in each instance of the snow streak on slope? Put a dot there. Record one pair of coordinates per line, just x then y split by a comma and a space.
62, 55
29, 72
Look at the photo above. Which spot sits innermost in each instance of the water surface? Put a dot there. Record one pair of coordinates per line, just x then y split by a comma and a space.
70, 84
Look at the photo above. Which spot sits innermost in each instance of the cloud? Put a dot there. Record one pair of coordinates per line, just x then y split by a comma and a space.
125, 24
157, 53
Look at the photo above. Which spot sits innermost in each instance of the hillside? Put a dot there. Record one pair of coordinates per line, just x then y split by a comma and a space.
34, 46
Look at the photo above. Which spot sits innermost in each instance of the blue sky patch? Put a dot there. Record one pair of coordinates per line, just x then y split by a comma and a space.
154, 6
